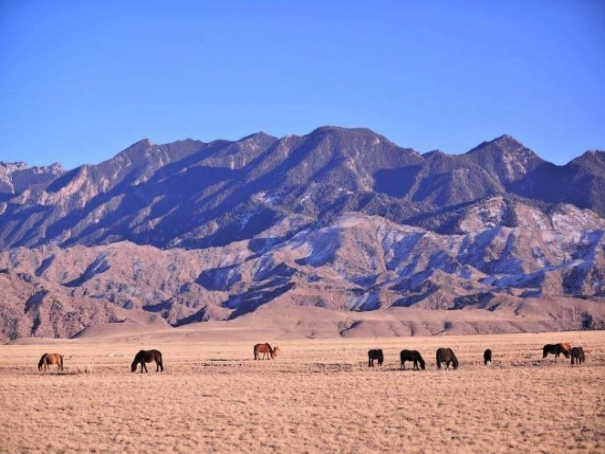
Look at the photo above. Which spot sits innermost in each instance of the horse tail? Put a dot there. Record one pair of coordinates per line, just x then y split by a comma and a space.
544, 352
160, 361
41, 362
438, 359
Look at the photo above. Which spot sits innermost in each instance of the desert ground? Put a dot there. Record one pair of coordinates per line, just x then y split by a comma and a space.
319, 396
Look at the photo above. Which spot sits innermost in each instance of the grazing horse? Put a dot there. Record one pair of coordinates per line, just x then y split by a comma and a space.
566, 347
147, 356
577, 353
447, 356
48, 359
412, 355
266, 350
375, 354
487, 357
555, 349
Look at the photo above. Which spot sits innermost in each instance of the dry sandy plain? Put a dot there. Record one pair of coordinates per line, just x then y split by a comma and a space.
318, 397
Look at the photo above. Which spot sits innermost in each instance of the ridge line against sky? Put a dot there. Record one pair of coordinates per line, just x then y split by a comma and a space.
80, 81
421, 153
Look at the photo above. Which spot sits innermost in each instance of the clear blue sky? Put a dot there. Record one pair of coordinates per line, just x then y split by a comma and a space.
81, 80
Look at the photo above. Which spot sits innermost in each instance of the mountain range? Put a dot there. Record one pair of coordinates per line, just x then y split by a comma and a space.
338, 219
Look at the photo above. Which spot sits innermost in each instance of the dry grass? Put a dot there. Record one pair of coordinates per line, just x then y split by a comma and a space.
318, 397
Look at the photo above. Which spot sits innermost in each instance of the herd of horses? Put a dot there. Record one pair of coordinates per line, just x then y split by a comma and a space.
444, 356
575, 353
448, 357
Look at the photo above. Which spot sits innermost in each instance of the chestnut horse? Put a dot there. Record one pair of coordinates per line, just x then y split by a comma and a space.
566, 347
577, 353
267, 351
412, 355
447, 356
147, 356
375, 354
555, 349
48, 359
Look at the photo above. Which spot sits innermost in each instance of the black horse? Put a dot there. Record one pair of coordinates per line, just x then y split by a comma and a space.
487, 357
375, 354
147, 356
412, 355
447, 356
577, 354
554, 349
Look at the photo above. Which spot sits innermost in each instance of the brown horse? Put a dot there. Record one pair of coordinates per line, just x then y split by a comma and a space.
412, 355
487, 357
566, 347
577, 354
447, 356
375, 354
147, 356
267, 351
48, 359
556, 349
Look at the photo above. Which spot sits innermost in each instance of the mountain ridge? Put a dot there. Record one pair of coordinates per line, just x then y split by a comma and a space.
261, 179
338, 219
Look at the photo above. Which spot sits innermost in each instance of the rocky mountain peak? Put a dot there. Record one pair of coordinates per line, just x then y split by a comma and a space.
595, 157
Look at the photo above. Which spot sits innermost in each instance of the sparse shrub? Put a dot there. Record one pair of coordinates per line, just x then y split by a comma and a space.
78, 370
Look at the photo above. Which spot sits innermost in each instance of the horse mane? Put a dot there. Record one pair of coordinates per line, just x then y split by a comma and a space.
135, 362
41, 363
453, 358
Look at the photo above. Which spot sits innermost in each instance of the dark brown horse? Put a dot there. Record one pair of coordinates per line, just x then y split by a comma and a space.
48, 359
266, 350
577, 354
412, 355
375, 354
147, 356
447, 356
487, 357
555, 349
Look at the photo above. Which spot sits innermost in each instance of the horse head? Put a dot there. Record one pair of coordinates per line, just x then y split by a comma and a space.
274, 352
